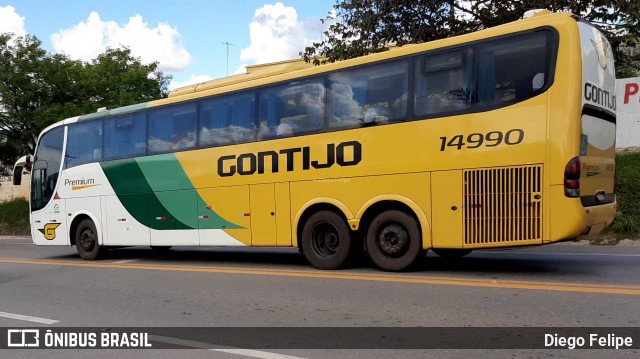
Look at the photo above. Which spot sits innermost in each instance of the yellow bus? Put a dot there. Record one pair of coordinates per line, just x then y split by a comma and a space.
499, 138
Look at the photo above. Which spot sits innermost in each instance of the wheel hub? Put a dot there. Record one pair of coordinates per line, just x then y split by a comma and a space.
393, 239
86, 240
325, 240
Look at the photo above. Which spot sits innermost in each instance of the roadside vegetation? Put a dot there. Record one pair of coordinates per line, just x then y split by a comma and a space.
627, 221
14, 218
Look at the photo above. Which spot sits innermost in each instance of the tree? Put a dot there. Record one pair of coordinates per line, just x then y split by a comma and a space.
38, 88
361, 27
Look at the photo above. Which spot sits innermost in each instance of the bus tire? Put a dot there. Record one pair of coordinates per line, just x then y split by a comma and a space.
326, 240
393, 240
87, 240
451, 253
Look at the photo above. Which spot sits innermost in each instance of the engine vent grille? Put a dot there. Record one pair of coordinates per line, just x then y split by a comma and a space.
503, 205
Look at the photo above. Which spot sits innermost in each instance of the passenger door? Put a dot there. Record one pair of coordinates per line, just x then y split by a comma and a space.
263, 215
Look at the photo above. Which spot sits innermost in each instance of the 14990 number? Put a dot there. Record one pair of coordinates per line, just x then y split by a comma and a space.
476, 140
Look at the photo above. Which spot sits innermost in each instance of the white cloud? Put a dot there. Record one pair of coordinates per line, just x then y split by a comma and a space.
242, 69
89, 38
194, 79
11, 21
277, 34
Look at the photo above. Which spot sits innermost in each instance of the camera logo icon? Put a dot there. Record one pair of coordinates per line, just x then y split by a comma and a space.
23, 338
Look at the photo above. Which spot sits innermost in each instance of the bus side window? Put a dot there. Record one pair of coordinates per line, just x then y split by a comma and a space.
172, 128
292, 109
444, 82
125, 136
228, 120
84, 144
513, 69
373, 95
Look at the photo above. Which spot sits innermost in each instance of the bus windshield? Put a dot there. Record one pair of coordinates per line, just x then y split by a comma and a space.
45, 168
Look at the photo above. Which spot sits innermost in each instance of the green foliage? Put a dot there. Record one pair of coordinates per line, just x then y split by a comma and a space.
14, 218
625, 225
362, 27
38, 88
627, 221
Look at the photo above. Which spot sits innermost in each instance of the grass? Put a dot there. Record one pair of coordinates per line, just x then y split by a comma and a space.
14, 218
627, 221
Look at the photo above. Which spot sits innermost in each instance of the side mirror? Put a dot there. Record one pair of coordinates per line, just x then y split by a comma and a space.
17, 175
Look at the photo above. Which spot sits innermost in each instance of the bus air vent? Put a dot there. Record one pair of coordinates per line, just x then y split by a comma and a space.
503, 205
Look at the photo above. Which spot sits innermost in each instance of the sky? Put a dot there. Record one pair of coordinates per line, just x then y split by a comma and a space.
186, 37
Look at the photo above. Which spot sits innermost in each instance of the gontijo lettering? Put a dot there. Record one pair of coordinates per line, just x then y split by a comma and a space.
343, 154
595, 94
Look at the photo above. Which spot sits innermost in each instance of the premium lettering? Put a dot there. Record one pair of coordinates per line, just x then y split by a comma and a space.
302, 158
79, 182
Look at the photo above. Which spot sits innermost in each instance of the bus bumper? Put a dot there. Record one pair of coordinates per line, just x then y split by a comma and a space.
569, 219
598, 217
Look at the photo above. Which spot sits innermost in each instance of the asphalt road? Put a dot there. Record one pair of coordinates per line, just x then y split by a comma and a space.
556, 285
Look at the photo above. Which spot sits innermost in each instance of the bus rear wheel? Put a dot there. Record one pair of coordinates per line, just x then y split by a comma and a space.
87, 240
393, 240
326, 240
451, 253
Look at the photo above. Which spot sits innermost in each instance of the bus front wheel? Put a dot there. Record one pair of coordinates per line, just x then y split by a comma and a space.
87, 240
393, 240
326, 240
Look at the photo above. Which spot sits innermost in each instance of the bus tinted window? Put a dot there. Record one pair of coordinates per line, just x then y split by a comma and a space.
291, 109
513, 69
444, 82
373, 95
172, 128
228, 120
125, 136
84, 143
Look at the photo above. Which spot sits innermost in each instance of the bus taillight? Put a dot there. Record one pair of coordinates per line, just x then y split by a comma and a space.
572, 178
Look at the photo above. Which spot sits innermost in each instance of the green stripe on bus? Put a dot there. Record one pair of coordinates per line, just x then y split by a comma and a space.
170, 194
127, 179
164, 173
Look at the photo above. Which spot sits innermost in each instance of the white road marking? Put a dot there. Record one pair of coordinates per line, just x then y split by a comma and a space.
201, 345
126, 261
256, 354
28, 318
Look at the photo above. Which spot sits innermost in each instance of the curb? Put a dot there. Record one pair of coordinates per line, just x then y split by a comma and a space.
14, 238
